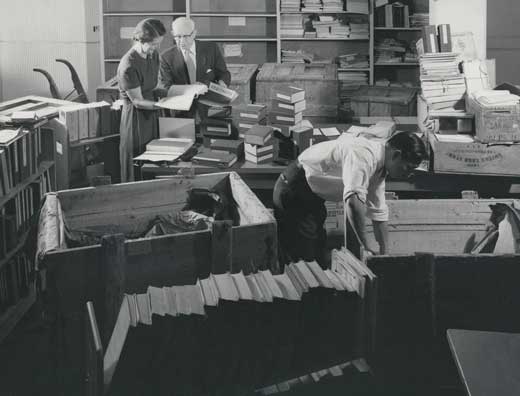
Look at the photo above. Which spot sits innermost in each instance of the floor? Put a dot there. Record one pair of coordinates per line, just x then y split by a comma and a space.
28, 367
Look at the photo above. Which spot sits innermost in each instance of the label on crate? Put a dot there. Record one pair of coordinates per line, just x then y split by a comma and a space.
232, 50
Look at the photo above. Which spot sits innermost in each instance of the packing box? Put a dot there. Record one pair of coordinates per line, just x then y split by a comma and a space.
384, 101
463, 154
319, 82
496, 123
75, 273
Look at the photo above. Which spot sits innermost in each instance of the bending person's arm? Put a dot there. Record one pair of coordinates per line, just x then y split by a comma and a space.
136, 96
381, 235
355, 211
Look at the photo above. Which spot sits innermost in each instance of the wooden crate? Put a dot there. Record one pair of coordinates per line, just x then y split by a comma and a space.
243, 78
318, 81
496, 124
110, 119
175, 259
421, 295
384, 101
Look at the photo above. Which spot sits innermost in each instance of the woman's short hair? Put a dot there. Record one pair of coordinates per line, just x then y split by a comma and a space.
148, 30
411, 146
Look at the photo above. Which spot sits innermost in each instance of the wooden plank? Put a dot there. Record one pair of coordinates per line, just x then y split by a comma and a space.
252, 211
132, 195
93, 354
221, 246
113, 279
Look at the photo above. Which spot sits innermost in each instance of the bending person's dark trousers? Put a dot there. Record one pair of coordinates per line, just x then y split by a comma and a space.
300, 214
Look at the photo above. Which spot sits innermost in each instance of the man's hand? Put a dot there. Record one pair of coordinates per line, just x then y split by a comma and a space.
222, 83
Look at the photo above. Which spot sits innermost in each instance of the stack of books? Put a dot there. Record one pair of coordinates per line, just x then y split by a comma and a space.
289, 5
235, 147
349, 83
287, 106
333, 5
390, 50
312, 6
218, 158
357, 6
442, 83
258, 144
353, 61
250, 115
358, 30
291, 25
297, 56
392, 15
329, 27
419, 19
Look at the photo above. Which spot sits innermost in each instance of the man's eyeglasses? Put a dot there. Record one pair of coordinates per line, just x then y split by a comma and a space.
182, 36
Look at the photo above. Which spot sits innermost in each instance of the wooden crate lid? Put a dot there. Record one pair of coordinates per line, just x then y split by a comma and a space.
392, 95
296, 71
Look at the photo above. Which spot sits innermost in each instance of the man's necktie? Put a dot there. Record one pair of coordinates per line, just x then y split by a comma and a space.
191, 67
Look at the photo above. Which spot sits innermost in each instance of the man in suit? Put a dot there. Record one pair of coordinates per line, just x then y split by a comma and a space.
191, 61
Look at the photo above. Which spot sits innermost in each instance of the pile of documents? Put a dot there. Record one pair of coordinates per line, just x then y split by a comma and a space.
353, 61
329, 27
297, 56
358, 29
491, 98
389, 50
442, 83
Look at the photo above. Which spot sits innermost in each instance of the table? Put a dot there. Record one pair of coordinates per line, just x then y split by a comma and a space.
426, 184
488, 362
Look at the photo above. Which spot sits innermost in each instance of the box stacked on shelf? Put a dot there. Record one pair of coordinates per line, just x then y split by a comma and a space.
442, 83
312, 6
289, 5
332, 5
83, 121
218, 123
16, 281
356, 6
296, 56
258, 144
358, 27
291, 25
252, 114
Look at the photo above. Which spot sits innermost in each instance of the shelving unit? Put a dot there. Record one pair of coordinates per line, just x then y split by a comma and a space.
399, 71
18, 211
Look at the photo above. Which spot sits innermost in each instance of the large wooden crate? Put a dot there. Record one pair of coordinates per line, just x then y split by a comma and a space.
319, 82
74, 273
420, 295
243, 78
384, 101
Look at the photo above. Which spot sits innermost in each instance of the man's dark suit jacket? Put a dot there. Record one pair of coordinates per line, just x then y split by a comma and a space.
211, 66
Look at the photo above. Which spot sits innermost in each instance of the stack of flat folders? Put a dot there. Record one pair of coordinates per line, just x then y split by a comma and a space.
232, 333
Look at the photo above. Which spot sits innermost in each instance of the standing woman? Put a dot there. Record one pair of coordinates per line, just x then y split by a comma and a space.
137, 75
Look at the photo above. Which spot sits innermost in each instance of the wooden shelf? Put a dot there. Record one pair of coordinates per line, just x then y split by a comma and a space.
85, 142
399, 29
10, 318
397, 64
242, 38
118, 14
353, 69
19, 187
232, 14
14, 251
322, 39
318, 12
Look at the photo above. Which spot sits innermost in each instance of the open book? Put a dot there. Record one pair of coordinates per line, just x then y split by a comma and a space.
218, 95
180, 97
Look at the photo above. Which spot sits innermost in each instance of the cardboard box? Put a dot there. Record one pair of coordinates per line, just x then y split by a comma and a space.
469, 156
